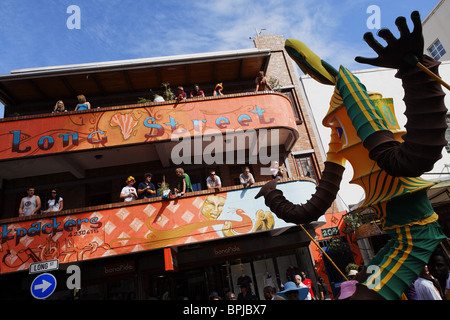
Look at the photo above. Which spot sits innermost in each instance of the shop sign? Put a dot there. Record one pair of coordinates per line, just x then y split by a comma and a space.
227, 250
330, 232
123, 229
109, 128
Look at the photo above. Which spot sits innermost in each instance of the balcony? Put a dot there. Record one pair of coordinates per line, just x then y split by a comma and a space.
168, 132
119, 228
88, 154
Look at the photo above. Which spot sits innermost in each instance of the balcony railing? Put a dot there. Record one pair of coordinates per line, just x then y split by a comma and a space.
118, 228
52, 133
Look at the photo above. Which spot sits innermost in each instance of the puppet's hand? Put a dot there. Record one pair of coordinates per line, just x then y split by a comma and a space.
267, 188
398, 52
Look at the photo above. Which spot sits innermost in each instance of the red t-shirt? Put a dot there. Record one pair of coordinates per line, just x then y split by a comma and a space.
308, 283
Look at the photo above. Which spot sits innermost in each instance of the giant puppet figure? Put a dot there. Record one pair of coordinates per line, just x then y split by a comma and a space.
387, 162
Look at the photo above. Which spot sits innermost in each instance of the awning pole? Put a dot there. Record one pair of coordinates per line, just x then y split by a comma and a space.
318, 246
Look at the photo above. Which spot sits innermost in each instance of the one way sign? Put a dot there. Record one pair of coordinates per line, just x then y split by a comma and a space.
43, 286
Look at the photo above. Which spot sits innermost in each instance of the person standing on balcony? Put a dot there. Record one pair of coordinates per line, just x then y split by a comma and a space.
59, 107
218, 90
129, 192
276, 170
197, 93
261, 82
82, 103
180, 94
147, 189
213, 181
246, 178
184, 182
55, 203
30, 204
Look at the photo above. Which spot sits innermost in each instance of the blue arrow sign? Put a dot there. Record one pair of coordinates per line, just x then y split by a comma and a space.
43, 286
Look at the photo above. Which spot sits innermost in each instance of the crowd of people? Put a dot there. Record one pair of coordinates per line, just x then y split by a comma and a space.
432, 284
31, 203
146, 189
299, 289
82, 105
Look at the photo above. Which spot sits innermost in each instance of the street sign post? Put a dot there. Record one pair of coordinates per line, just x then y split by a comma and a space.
44, 266
43, 286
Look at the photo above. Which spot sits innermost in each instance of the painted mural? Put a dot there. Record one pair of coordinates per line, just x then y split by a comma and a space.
136, 124
144, 226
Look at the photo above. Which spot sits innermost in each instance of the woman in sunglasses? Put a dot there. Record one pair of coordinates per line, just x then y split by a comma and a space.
55, 203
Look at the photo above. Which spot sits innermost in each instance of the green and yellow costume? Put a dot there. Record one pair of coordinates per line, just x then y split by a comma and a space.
387, 163
401, 203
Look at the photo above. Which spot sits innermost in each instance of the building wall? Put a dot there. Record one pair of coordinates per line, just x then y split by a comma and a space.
282, 67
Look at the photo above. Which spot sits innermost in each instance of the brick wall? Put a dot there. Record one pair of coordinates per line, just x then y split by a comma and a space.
284, 69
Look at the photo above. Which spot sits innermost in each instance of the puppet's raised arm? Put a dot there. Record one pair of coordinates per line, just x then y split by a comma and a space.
424, 99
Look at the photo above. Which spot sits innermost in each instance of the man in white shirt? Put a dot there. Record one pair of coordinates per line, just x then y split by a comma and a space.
425, 288
246, 178
129, 193
300, 284
213, 181
30, 204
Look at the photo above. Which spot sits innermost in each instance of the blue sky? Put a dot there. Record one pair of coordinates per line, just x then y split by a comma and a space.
34, 33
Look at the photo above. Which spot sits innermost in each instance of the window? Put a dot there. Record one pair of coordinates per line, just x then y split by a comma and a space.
437, 50
305, 165
289, 93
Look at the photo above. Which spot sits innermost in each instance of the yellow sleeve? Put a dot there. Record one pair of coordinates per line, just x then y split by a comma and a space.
334, 147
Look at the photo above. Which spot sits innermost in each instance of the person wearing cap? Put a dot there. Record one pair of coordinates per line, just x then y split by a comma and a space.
352, 274
214, 296
128, 192
292, 292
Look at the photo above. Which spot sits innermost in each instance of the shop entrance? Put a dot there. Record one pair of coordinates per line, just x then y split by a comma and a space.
255, 272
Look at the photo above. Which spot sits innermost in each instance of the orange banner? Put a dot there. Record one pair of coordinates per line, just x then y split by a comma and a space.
142, 226
133, 124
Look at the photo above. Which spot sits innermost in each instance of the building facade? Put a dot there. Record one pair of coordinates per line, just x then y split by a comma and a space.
436, 32
167, 246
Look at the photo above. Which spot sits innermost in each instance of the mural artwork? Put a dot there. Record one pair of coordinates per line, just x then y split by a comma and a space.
139, 227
